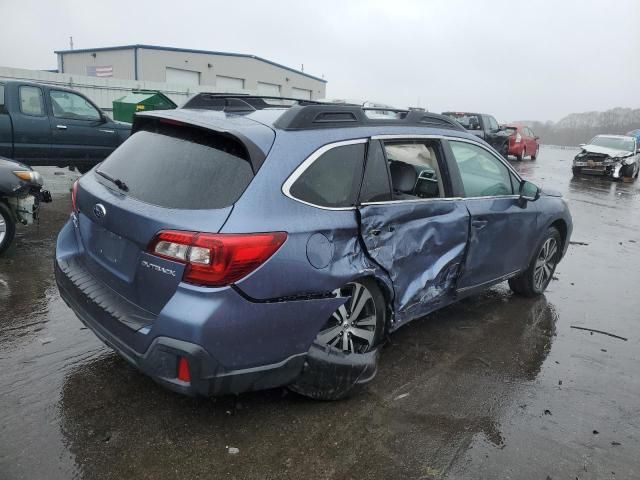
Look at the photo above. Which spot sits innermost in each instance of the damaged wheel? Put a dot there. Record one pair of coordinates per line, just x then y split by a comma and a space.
534, 280
7, 227
358, 325
344, 354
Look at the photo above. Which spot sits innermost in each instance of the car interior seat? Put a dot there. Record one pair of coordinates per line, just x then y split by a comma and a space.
403, 179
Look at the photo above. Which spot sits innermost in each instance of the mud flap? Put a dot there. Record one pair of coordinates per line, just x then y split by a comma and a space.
331, 374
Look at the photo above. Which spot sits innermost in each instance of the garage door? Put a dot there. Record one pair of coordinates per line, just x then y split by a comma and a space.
301, 93
182, 77
229, 84
268, 89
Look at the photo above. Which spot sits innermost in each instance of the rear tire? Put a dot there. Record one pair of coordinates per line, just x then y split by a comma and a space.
535, 279
522, 155
355, 329
7, 227
576, 171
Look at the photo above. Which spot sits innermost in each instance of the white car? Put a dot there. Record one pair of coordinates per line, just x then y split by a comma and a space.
615, 156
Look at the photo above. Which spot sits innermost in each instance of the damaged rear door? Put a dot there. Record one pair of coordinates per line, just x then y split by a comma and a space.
409, 223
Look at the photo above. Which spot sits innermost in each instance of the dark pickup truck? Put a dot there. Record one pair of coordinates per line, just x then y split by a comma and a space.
50, 125
484, 126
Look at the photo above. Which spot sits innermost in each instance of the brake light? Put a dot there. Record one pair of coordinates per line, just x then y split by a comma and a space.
74, 194
216, 259
183, 373
518, 137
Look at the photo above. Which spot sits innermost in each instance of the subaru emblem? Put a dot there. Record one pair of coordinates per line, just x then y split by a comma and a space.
99, 211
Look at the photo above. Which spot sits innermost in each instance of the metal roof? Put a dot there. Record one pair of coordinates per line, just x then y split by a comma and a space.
187, 50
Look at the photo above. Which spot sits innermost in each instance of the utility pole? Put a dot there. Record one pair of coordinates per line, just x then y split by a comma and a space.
70, 43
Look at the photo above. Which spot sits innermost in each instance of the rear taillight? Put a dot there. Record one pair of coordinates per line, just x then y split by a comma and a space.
183, 373
74, 194
214, 259
518, 138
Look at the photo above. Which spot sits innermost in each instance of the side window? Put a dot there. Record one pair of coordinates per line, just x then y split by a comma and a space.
1, 95
375, 183
31, 101
493, 125
333, 179
72, 106
414, 170
483, 175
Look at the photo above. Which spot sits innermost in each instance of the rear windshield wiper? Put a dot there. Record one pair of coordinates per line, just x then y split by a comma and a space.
116, 181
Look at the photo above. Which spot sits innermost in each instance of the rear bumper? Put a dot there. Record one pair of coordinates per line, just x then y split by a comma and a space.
232, 344
160, 359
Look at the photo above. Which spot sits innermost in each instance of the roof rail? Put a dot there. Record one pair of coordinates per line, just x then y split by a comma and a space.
239, 102
336, 116
311, 114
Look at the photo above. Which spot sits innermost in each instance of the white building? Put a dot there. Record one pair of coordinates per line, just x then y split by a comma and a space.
224, 72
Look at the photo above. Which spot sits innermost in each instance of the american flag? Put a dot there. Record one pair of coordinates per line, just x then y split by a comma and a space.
104, 71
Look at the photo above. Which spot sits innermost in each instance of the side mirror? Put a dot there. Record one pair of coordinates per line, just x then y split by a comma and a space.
529, 192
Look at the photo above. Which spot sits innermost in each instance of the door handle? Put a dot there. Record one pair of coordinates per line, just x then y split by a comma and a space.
61, 127
479, 224
375, 232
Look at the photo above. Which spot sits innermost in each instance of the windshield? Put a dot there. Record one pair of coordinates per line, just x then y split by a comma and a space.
617, 143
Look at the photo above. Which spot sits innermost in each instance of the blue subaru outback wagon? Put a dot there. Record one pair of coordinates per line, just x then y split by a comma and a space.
243, 243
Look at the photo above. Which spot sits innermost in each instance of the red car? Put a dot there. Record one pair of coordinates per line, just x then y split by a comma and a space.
522, 142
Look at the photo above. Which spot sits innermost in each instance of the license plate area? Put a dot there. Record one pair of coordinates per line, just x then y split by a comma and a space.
109, 245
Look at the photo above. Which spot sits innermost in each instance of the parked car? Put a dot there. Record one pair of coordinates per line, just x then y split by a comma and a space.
483, 126
21, 194
635, 133
290, 241
615, 156
51, 125
522, 142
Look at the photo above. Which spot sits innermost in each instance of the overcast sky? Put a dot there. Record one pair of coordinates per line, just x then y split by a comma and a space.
533, 60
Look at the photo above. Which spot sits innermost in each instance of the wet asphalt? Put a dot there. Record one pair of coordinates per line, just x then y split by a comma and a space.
496, 386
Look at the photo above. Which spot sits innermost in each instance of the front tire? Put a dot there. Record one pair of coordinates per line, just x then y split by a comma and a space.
7, 227
576, 171
535, 279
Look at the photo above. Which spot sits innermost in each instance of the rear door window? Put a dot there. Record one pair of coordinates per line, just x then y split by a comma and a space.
182, 168
333, 179
31, 101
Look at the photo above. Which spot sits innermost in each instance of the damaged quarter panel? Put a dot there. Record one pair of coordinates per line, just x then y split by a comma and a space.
322, 252
421, 245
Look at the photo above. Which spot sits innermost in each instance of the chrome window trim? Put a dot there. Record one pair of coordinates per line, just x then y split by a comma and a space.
450, 138
286, 186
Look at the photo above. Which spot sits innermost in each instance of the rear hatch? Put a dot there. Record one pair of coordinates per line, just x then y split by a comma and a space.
168, 175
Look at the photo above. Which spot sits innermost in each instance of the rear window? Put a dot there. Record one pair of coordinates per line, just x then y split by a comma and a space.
511, 130
183, 168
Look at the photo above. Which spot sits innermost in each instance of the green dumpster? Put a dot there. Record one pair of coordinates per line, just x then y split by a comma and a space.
140, 101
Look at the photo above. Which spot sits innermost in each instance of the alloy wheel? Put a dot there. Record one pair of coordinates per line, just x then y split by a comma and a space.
545, 264
3, 229
352, 328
